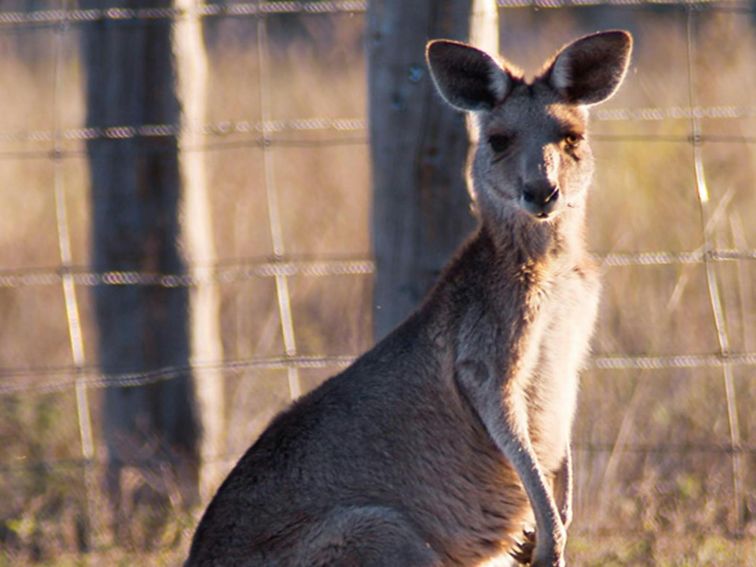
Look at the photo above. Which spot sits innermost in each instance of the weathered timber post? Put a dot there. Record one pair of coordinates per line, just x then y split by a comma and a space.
197, 242
421, 210
135, 196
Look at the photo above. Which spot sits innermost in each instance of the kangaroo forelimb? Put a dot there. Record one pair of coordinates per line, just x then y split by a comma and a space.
503, 411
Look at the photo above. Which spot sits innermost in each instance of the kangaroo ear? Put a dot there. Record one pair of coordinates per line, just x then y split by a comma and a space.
467, 78
590, 70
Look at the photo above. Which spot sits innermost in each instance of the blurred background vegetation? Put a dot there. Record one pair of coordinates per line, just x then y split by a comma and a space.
653, 454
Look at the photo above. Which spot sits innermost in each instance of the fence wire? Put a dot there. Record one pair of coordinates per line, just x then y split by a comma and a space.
266, 134
261, 9
49, 380
53, 465
269, 128
231, 272
73, 313
274, 217
715, 296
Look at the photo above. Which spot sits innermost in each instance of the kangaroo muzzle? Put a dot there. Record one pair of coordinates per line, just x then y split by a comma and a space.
540, 198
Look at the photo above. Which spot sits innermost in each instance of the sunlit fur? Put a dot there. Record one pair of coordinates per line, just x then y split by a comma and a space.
438, 445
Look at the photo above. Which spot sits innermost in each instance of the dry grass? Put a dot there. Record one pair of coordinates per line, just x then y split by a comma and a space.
670, 506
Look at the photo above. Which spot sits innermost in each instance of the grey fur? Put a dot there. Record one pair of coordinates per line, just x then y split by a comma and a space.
438, 445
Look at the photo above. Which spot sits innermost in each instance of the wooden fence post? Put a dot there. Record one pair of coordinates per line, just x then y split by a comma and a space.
135, 194
421, 210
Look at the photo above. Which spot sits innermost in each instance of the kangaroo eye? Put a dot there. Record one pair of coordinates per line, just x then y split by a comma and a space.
572, 140
499, 142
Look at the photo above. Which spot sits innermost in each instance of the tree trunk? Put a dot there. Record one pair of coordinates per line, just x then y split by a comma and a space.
418, 146
135, 193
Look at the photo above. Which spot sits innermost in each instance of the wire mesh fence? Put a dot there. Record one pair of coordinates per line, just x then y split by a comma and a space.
695, 120
258, 9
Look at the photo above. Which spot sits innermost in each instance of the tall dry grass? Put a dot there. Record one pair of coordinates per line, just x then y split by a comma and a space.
652, 485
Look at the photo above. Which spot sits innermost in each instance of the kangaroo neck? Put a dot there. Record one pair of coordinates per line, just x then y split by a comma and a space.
504, 268
500, 283
519, 241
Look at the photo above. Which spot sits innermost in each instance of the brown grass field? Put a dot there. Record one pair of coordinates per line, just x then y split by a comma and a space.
654, 476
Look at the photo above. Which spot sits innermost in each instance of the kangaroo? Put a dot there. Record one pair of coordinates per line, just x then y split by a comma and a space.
443, 441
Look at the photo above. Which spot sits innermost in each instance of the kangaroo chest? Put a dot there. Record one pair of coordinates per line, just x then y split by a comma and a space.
558, 348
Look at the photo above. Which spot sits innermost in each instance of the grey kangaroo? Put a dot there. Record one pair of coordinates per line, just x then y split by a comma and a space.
441, 443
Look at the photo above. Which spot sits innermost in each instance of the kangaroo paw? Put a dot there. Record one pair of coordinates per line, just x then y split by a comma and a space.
523, 551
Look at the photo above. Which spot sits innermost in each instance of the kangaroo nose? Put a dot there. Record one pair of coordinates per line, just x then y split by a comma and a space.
540, 193
540, 198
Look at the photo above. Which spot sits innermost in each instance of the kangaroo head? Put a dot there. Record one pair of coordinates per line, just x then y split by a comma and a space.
531, 157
